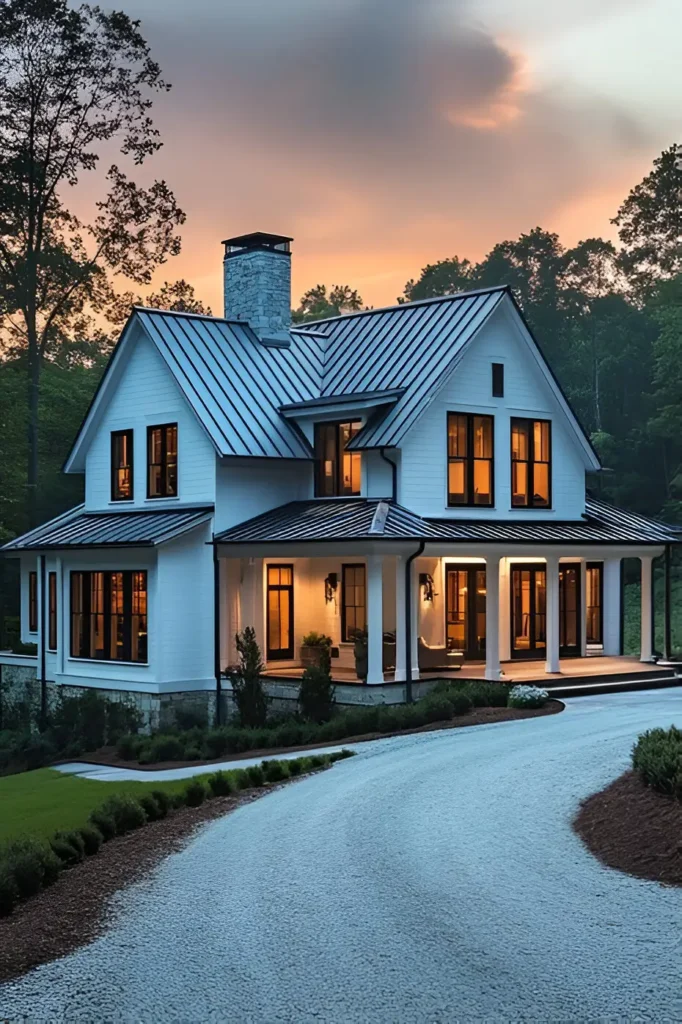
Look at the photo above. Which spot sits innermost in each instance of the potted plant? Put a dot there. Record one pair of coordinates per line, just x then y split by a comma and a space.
313, 648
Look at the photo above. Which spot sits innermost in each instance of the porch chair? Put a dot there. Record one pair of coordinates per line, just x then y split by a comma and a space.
434, 658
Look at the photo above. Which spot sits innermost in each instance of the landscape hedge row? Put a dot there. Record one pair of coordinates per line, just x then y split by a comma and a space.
657, 759
443, 703
28, 865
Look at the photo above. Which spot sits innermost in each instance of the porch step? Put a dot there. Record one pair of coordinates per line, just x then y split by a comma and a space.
623, 684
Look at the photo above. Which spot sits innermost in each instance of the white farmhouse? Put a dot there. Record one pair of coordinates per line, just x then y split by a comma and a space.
415, 472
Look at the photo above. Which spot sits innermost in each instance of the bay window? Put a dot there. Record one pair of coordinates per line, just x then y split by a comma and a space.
109, 615
531, 463
470, 459
337, 471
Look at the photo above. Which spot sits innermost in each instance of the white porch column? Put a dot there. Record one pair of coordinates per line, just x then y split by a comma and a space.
375, 619
646, 635
552, 614
415, 623
611, 600
400, 638
492, 618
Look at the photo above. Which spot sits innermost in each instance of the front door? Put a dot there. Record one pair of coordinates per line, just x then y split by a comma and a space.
280, 612
528, 611
465, 594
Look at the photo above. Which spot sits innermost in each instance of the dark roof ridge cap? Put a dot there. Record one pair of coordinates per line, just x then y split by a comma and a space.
408, 305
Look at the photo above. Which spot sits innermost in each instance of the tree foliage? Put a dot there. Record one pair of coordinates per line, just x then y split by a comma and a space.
74, 83
317, 304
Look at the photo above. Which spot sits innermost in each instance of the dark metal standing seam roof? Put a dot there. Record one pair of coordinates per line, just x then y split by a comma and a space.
110, 529
358, 518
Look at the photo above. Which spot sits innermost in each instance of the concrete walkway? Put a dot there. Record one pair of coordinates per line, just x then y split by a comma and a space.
104, 773
434, 877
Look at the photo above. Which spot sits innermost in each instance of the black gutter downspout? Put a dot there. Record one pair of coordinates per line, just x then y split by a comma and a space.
216, 633
43, 626
667, 636
408, 620
394, 474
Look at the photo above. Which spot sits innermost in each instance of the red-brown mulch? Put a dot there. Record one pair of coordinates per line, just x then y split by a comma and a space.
74, 910
635, 829
478, 716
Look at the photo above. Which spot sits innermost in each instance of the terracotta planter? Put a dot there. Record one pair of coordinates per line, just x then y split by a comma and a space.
312, 655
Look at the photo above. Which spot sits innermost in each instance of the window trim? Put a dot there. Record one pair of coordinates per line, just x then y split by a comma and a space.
470, 460
33, 601
114, 468
338, 454
52, 611
164, 464
531, 464
127, 614
345, 639
279, 653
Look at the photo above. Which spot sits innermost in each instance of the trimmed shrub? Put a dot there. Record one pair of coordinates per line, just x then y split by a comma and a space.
275, 771
317, 760
527, 697
220, 784
32, 865
195, 793
103, 820
316, 693
9, 894
166, 748
150, 807
92, 839
216, 743
129, 746
241, 778
256, 775
193, 754
163, 801
247, 683
657, 758
437, 708
126, 811
294, 766
67, 852
342, 755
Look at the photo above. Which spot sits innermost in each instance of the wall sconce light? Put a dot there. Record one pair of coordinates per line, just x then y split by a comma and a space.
331, 584
426, 583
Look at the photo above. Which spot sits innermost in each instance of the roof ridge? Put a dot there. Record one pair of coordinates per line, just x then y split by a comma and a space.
406, 305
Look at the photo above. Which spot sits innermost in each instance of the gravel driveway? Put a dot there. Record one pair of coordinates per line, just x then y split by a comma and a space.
431, 878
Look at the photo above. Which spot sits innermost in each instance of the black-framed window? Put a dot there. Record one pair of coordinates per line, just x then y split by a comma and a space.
162, 461
337, 471
498, 380
33, 602
122, 465
531, 463
280, 612
109, 615
353, 600
52, 611
470, 459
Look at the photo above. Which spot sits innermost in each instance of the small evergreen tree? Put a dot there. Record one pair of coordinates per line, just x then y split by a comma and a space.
247, 683
316, 695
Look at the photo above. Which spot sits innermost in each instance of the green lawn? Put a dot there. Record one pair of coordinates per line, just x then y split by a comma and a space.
43, 801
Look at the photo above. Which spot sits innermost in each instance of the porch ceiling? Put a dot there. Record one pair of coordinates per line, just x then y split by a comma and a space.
366, 519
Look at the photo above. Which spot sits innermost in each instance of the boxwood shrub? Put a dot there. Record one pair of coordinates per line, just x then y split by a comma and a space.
195, 793
657, 758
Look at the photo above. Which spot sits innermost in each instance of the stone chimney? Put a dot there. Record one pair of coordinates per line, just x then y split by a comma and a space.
257, 276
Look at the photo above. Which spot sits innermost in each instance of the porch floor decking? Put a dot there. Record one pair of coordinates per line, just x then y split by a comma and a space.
513, 671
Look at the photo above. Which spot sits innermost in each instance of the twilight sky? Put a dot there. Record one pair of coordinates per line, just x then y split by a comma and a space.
385, 134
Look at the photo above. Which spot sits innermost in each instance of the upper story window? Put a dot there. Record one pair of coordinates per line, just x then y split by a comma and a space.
531, 463
33, 602
470, 459
337, 472
122, 465
109, 615
498, 380
162, 461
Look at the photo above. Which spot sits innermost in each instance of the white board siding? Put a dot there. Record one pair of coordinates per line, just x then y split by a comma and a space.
247, 487
423, 479
147, 395
184, 636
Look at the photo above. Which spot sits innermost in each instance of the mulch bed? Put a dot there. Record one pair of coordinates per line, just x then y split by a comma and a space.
479, 716
74, 910
635, 829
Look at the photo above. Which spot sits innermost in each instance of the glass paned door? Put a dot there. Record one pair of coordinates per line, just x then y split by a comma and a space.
594, 599
465, 610
280, 612
569, 610
528, 611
